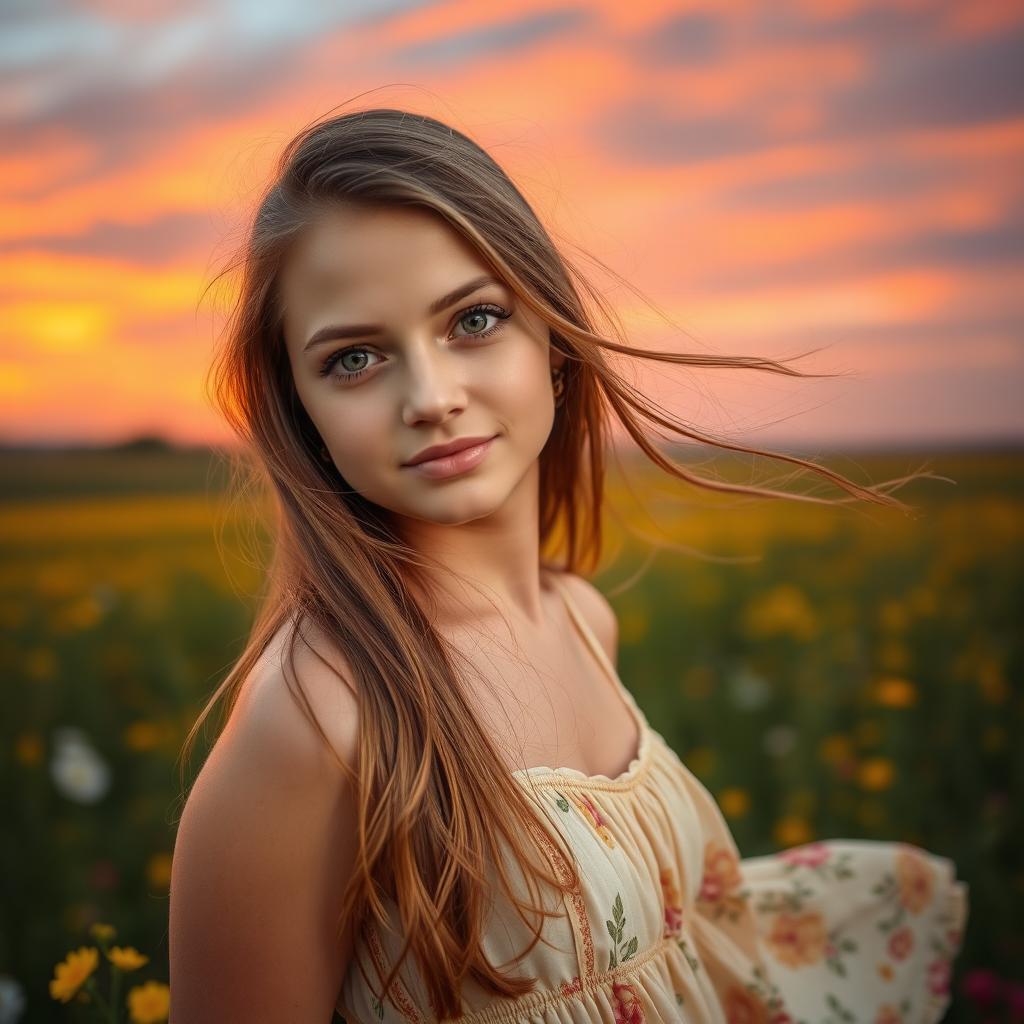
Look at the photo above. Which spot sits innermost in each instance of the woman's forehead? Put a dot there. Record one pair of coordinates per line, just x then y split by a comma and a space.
360, 252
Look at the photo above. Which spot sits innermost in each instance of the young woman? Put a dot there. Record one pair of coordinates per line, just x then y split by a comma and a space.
434, 798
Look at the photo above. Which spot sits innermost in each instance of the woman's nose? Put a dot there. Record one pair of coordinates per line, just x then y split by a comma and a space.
433, 387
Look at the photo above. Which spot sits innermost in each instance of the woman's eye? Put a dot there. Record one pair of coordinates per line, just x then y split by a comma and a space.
359, 355
351, 362
341, 358
479, 315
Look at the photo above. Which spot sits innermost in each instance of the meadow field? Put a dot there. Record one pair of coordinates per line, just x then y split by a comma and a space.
826, 671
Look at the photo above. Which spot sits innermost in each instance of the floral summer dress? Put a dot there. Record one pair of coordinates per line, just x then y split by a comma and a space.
670, 924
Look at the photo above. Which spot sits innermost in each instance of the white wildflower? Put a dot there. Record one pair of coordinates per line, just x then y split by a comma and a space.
748, 690
78, 771
779, 740
12, 999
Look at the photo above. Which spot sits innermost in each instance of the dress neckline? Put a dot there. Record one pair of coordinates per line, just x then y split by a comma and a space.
638, 765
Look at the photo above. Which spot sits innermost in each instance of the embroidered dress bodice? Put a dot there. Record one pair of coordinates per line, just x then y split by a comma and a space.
671, 924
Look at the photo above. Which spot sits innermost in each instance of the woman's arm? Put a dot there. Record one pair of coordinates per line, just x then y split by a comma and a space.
264, 848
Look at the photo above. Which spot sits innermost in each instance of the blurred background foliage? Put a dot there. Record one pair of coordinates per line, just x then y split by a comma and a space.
843, 671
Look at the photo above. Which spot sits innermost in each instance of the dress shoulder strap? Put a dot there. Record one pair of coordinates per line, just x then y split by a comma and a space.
595, 645
598, 651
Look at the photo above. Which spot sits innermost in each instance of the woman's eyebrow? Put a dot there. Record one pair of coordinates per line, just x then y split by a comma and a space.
334, 331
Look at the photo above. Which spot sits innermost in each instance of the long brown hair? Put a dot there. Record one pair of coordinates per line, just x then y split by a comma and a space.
436, 804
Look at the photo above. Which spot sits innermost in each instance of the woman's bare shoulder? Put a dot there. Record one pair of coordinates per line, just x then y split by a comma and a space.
597, 610
269, 698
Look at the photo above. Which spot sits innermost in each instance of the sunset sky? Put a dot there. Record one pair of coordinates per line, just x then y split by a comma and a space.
775, 176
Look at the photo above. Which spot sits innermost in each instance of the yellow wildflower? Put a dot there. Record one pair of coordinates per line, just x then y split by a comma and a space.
783, 609
893, 616
992, 680
102, 931
142, 735
735, 802
41, 663
28, 748
835, 747
80, 614
149, 1003
72, 971
127, 958
895, 692
876, 773
792, 830
158, 870
701, 761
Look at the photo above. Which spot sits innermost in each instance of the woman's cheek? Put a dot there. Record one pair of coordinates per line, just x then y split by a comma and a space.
520, 378
358, 452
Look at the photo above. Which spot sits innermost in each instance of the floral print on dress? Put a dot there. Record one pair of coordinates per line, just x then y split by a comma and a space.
809, 855
797, 914
798, 939
594, 816
673, 927
720, 887
801, 940
940, 970
818, 858
915, 880
615, 929
757, 1002
743, 1007
629, 1009
910, 887
901, 943
913, 884
888, 1014
671, 901
798, 934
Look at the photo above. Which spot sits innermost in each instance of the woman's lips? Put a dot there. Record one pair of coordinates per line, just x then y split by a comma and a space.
453, 465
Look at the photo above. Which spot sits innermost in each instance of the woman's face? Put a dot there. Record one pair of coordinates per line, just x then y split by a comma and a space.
412, 375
